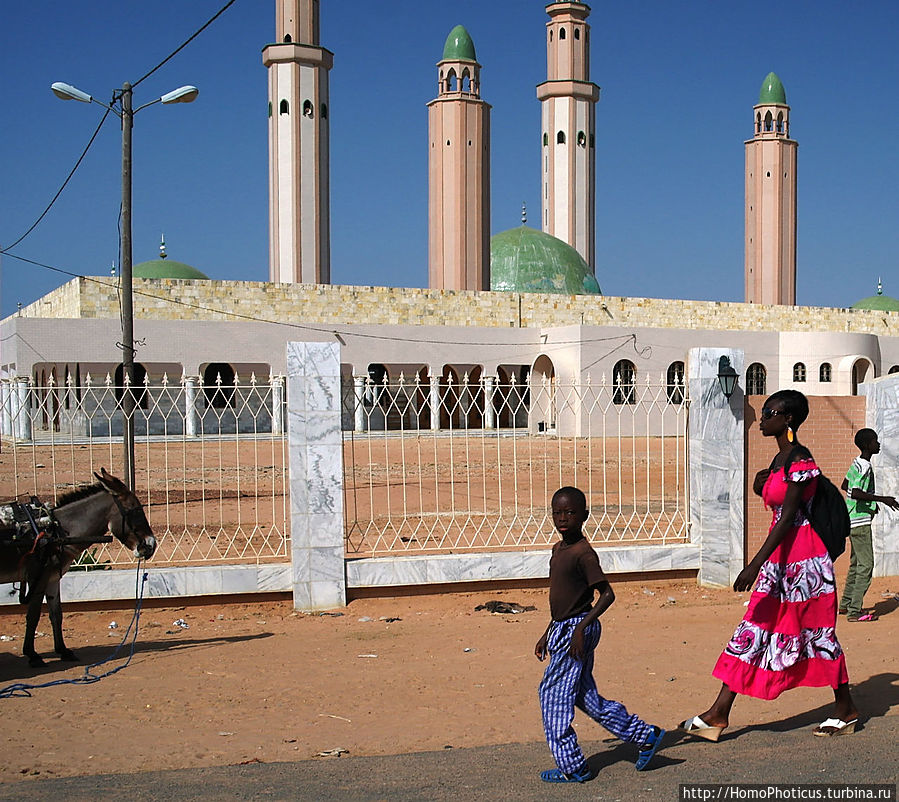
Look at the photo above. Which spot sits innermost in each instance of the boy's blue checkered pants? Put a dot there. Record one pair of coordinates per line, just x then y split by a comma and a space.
568, 683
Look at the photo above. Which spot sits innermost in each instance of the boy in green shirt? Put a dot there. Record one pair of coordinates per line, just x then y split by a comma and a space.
862, 503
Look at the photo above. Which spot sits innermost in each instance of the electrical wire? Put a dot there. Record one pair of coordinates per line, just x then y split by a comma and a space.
59, 191
175, 52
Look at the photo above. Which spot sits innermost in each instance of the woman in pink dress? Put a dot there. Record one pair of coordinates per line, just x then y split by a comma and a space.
787, 637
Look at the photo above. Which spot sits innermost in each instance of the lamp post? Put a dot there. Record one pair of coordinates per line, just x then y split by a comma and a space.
184, 94
727, 377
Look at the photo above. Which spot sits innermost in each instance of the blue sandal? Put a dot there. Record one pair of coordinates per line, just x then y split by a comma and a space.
559, 776
649, 748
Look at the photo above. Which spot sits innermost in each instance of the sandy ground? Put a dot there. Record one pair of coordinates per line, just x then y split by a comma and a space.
256, 681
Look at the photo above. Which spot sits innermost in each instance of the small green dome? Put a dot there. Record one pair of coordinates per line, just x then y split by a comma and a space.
459, 46
772, 90
878, 303
166, 268
526, 260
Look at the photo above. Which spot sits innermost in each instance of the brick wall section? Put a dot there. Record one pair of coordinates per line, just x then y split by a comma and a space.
170, 299
828, 433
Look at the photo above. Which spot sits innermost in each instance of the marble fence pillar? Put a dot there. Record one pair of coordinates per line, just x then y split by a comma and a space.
717, 466
882, 415
315, 450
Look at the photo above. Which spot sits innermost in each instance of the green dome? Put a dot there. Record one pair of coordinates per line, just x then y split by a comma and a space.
526, 260
772, 90
459, 46
879, 303
166, 268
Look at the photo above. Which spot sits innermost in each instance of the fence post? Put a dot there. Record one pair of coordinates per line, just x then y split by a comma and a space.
190, 406
882, 415
21, 409
315, 452
717, 470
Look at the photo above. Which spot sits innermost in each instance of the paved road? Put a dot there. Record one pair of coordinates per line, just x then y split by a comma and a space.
776, 752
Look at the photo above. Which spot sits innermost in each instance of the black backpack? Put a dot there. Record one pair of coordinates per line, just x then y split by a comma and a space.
828, 514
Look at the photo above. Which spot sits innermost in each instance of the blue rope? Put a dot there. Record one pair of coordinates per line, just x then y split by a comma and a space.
20, 689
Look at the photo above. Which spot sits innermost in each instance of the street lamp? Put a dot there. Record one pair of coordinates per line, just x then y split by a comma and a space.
727, 377
184, 94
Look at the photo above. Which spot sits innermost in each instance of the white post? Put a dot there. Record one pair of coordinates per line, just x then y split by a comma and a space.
22, 410
489, 412
190, 406
5, 414
359, 403
277, 405
435, 401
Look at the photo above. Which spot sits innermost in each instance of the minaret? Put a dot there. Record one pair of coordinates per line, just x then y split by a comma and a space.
298, 152
459, 172
568, 100
771, 200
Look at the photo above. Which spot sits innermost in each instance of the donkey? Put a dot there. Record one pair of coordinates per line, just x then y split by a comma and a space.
82, 515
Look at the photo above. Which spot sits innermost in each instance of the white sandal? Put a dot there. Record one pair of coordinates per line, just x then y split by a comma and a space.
836, 726
696, 726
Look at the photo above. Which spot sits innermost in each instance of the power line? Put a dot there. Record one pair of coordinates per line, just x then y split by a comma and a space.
175, 52
59, 191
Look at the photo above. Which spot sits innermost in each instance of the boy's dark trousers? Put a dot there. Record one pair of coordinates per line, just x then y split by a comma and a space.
861, 568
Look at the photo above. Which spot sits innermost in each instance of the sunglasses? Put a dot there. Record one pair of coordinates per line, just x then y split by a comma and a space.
768, 413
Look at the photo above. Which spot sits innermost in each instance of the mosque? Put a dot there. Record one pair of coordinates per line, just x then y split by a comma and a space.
522, 304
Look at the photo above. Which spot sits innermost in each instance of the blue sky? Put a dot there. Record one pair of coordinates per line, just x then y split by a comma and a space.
678, 79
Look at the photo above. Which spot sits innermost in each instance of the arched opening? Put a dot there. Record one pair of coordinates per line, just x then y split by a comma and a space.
284, 107
825, 372
324, 111
769, 121
756, 379
287, 37
581, 139
451, 81
138, 386
674, 383
511, 396
466, 81
624, 382
862, 371
545, 140
758, 123
218, 385
780, 122
894, 369
561, 33
799, 372
542, 387
560, 138
308, 110
577, 33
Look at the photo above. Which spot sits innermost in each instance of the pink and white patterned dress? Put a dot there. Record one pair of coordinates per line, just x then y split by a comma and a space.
787, 637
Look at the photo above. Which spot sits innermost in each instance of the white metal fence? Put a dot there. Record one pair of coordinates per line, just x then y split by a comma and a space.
210, 461
432, 466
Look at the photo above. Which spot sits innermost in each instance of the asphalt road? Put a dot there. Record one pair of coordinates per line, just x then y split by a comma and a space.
776, 752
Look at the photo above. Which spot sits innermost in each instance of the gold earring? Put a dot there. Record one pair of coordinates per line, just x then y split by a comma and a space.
789, 434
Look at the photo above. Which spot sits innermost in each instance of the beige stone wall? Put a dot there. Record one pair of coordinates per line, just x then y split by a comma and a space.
169, 299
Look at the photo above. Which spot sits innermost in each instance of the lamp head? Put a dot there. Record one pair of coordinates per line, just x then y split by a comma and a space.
68, 92
727, 376
183, 94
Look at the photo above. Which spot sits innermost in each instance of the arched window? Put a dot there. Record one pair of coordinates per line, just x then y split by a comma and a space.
769, 122
560, 138
894, 369
824, 372
581, 139
780, 122
675, 383
287, 37
269, 108
138, 386
308, 111
324, 112
545, 140
550, 35
758, 123
624, 379
451, 81
284, 107
561, 33
465, 85
218, 385
756, 379
799, 372
577, 33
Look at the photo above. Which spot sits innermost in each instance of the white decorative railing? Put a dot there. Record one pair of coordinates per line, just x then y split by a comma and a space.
433, 465
210, 461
